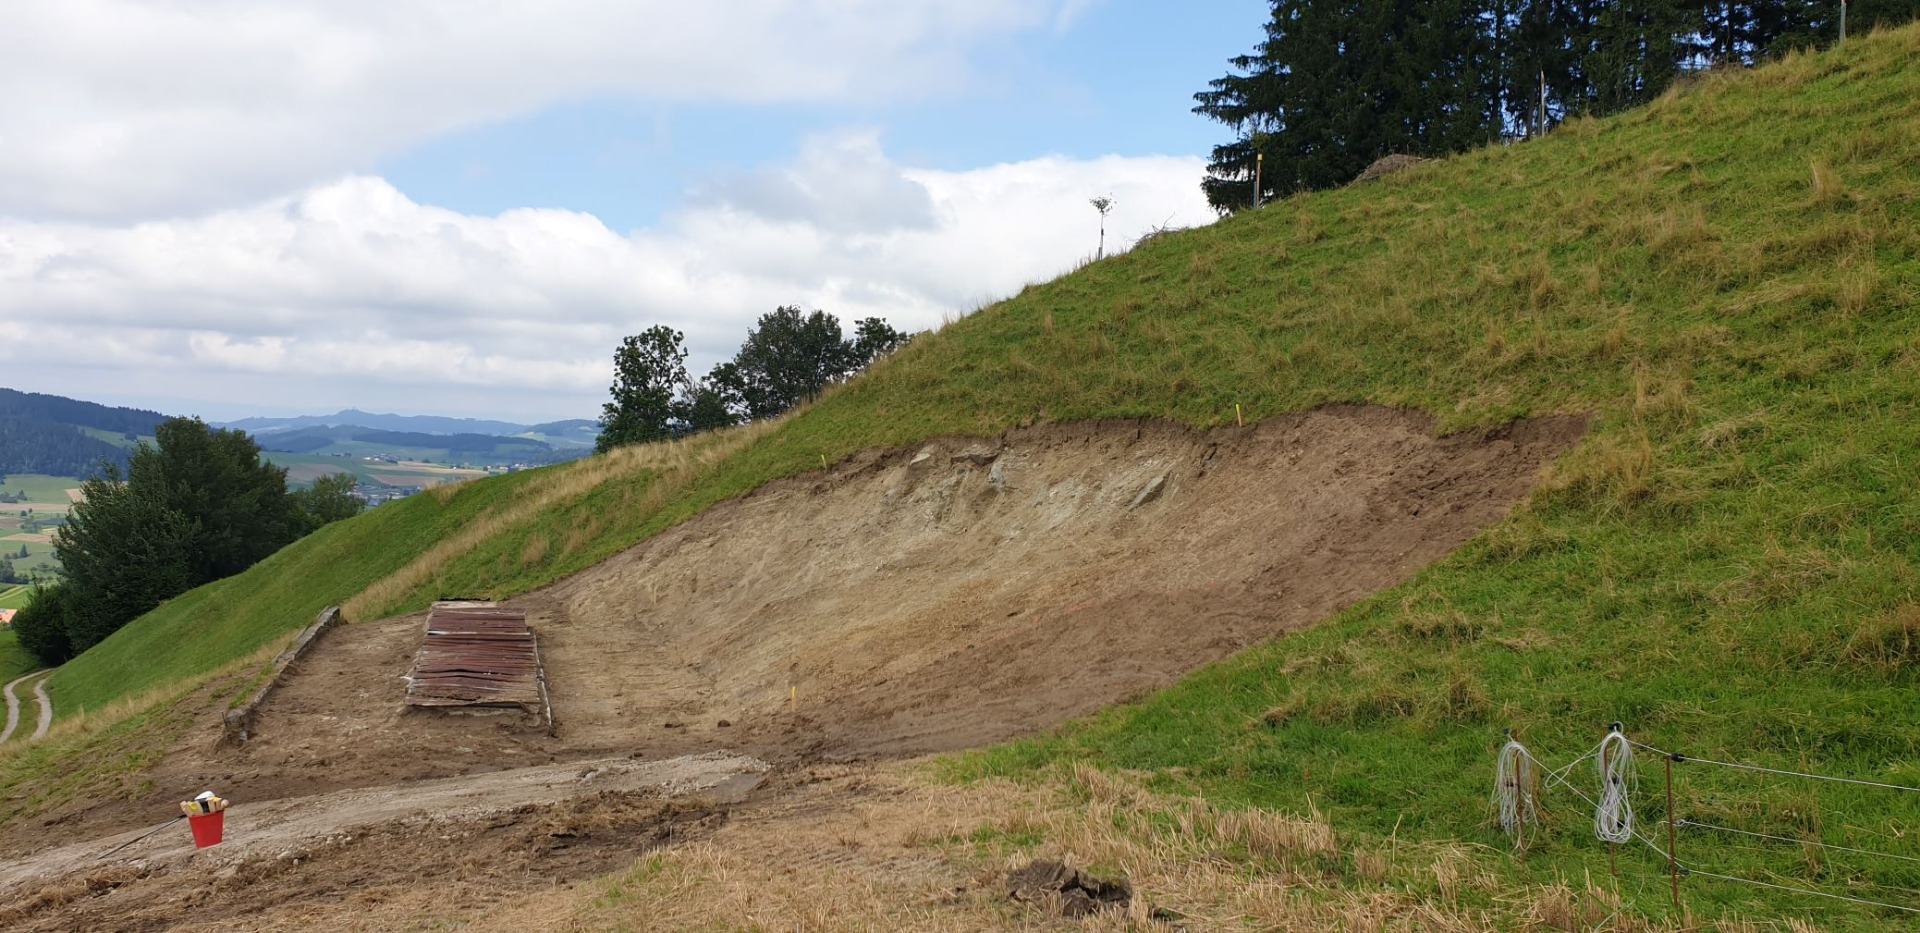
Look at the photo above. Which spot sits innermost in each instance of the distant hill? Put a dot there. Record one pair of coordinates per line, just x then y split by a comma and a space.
66, 437
574, 433
413, 445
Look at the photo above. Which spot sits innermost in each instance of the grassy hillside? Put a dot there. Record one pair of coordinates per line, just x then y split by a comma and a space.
1729, 563
14, 660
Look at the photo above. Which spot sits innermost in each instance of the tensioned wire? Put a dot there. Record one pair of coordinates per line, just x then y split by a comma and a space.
1559, 777
1683, 824
1680, 758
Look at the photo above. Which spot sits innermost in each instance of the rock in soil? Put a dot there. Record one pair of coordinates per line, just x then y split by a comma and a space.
1076, 892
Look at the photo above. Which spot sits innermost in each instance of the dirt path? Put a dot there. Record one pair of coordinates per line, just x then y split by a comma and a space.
13, 705
46, 707
270, 829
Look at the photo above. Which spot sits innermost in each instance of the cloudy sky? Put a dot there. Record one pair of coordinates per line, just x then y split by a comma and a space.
230, 207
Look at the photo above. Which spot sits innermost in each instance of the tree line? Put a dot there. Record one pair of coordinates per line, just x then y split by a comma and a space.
789, 357
196, 506
1337, 84
28, 445
42, 433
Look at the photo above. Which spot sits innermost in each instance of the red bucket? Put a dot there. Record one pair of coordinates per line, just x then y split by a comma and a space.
207, 828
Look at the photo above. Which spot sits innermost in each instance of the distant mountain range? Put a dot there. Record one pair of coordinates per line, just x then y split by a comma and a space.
578, 432
61, 436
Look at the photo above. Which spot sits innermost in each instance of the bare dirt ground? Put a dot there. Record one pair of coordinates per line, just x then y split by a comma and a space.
505, 832
899, 603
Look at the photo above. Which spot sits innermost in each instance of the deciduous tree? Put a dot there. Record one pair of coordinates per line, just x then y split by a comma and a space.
328, 500
649, 370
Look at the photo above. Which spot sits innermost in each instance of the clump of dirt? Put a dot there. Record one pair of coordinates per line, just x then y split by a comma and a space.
1388, 165
1068, 891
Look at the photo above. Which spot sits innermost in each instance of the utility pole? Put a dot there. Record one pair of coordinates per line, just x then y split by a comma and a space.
1843, 20
1259, 163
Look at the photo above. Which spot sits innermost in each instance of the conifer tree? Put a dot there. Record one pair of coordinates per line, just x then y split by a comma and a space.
1339, 83
1335, 84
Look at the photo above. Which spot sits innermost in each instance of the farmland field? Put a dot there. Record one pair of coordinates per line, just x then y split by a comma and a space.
42, 509
41, 491
303, 469
116, 438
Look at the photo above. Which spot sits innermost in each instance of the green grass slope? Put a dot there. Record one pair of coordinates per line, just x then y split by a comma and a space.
1729, 563
14, 660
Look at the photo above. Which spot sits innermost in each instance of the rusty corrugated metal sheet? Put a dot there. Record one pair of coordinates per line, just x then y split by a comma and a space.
478, 656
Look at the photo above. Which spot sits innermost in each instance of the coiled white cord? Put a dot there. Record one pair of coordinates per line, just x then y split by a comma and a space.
1515, 780
1613, 818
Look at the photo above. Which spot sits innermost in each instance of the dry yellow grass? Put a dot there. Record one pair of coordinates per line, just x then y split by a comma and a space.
912, 855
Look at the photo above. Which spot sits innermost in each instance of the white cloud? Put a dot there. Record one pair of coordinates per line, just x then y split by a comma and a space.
351, 293
130, 109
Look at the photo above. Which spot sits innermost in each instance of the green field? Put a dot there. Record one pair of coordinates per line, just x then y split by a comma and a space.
303, 469
41, 490
118, 439
14, 596
1729, 562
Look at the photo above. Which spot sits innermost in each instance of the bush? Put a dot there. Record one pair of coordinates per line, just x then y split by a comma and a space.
41, 625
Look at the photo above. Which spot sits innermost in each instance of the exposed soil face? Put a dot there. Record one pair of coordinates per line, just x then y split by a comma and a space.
969, 591
902, 602
937, 598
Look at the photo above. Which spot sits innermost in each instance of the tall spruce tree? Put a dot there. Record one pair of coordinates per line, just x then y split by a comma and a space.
1340, 83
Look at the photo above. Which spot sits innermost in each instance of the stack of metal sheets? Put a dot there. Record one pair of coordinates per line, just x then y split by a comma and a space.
481, 656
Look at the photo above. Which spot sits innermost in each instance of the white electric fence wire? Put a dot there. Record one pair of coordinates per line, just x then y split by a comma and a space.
1689, 872
1686, 870
1692, 824
1613, 816
1799, 774
1561, 772
1514, 779
1560, 779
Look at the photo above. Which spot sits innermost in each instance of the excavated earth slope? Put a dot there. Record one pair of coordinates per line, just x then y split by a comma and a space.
899, 602
937, 598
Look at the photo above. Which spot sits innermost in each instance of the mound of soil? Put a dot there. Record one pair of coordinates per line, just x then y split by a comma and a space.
902, 602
